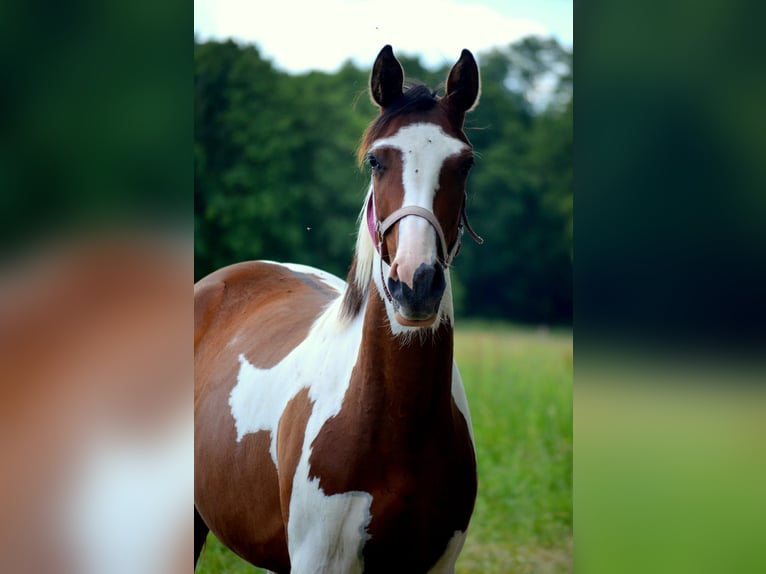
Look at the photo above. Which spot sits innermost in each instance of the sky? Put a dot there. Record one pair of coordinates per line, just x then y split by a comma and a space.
302, 35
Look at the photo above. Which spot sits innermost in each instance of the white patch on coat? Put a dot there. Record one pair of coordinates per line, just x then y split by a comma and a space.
446, 564
325, 533
460, 398
257, 405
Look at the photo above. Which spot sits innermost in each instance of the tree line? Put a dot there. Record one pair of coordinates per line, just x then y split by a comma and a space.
275, 174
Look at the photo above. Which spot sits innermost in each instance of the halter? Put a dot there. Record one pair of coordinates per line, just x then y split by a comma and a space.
378, 230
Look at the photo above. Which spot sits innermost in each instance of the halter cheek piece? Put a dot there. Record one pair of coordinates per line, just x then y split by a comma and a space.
378, 230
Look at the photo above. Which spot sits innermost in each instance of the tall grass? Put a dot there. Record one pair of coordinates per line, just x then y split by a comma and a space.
519, 386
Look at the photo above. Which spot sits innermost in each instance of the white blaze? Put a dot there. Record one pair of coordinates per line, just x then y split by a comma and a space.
423, 148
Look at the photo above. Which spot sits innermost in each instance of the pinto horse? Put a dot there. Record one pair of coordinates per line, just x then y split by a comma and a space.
332, 430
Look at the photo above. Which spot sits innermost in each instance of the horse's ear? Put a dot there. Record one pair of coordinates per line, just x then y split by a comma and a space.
463, 85
387, 78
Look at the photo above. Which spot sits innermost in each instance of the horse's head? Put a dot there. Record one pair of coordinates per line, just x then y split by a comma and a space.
419, 158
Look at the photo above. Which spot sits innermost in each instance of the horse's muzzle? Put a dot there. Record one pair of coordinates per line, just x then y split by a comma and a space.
420, 303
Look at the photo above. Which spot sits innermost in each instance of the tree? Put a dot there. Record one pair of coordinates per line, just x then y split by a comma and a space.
276, 175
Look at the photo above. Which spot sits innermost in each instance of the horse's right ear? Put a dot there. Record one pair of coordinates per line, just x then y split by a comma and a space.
387, 78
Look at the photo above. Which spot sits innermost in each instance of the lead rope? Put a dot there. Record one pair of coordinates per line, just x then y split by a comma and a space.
475, 236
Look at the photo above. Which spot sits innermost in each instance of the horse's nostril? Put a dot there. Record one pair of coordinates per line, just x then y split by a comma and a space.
424, 298
429, 280
397, 289
394, 274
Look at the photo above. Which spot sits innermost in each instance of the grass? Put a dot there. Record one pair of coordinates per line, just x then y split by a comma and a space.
519, 386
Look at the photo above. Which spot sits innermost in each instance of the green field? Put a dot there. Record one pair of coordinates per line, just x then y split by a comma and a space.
519, 386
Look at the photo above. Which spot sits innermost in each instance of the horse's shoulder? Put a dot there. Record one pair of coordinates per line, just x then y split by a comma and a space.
293, 294
224, 287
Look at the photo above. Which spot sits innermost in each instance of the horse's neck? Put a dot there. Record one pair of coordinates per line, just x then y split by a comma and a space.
404, 382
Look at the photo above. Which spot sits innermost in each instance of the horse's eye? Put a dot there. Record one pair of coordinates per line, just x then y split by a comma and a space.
373, 162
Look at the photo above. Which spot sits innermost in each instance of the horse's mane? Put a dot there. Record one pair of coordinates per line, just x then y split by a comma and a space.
360, 273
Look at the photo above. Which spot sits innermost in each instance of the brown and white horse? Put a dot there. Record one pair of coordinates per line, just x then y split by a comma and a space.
332, 431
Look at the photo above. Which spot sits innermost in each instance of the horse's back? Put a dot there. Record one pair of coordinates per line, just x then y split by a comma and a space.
260, 308
249, 314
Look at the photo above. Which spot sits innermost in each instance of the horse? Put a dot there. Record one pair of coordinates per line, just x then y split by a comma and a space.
332, 429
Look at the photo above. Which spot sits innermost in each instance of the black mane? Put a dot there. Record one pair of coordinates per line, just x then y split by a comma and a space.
418, 98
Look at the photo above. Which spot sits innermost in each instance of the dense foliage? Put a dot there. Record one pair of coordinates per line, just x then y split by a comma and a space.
275, 174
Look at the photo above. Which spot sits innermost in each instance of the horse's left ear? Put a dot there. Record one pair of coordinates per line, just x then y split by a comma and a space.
387, 78
463, 85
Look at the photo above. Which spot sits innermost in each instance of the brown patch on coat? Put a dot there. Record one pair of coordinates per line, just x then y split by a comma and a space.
237, 496
292, 430
263, 311
406, 443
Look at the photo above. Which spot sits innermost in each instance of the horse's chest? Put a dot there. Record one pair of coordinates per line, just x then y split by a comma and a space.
418, 496
370, 522
416, 516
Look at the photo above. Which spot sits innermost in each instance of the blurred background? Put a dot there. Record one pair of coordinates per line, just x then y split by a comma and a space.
96, 268
670, 317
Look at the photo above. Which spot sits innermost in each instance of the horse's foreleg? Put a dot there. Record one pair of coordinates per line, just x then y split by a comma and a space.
200, 535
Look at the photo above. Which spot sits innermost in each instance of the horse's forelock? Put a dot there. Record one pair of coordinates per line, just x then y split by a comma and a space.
418, 98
